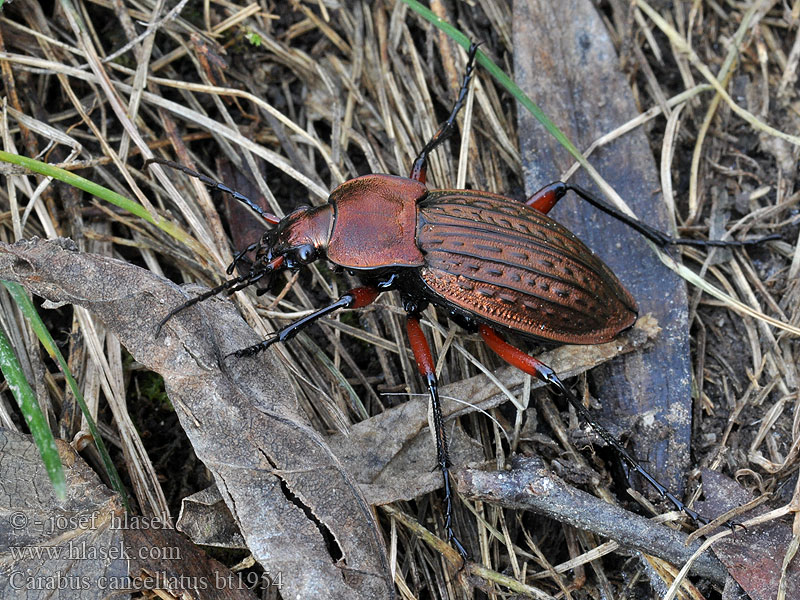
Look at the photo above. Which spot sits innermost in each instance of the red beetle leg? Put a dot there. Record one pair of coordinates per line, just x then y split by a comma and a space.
363, 296
516, 357
425, 364
538, 369
546, 198
356, 298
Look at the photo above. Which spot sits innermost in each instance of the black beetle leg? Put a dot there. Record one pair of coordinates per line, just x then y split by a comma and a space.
240, 257
356, 298
659, 238
424, 358
519, 359
419, 168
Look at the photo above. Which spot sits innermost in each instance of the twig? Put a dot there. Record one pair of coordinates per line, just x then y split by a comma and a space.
530, 486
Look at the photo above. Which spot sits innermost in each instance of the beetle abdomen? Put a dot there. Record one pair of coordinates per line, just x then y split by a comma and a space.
513, 266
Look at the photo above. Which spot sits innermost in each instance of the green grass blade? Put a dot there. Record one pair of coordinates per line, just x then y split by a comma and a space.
29, 310
37, 424
100, 192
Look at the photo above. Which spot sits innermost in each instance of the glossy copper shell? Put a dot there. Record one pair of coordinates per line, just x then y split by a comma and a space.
512, 266
375, 223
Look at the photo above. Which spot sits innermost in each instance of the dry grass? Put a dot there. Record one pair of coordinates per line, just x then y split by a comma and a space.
302, 96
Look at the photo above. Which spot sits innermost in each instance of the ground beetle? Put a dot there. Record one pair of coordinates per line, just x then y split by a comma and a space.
492, 262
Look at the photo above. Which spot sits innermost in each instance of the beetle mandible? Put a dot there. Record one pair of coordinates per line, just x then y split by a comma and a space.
493, 263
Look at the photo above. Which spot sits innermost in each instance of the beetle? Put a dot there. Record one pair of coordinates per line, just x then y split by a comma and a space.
493, 263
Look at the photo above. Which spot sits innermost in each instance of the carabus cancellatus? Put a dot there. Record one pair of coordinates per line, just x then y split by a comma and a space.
493, 263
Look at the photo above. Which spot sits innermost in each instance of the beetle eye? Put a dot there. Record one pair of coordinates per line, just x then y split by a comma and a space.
305, 254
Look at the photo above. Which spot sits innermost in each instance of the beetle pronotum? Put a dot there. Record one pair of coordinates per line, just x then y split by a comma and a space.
495, 264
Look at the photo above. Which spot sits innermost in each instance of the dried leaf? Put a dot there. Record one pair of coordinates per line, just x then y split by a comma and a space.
300, 512
753, 557
85, 547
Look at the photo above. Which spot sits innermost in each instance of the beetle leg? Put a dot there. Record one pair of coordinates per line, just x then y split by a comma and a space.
519, 359
240, 257
546, 198
419, 168
356, 298
425, 364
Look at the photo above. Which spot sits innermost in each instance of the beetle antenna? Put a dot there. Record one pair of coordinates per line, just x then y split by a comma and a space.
257, 273
230, 286
216, 185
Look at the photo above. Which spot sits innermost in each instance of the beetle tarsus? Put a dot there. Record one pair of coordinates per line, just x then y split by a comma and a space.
419, 168
659, 238
255, 348
444, 465
722, 243
626, 456
358, 296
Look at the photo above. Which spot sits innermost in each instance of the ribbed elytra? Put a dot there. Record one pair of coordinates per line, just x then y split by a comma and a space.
512, 266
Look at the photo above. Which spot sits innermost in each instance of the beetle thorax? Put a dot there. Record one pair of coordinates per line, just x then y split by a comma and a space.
375, 223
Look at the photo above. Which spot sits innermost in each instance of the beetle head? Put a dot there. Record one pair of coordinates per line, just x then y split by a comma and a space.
300, 238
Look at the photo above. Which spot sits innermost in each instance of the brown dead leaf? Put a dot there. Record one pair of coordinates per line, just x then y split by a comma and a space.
84, 547
207, 521
163, 559
285, 488
753, 557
